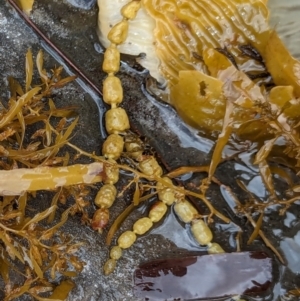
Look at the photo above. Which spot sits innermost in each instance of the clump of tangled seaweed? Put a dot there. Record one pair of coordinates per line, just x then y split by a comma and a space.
31, 249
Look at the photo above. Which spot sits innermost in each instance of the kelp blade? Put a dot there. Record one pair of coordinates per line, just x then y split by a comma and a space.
198, 99
17, 181
284, 69
185, 28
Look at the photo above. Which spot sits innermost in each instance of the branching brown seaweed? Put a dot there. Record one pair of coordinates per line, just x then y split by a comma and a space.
35, 252
258, 105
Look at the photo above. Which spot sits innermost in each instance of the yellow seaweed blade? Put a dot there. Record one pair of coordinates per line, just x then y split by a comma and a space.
29, 69
284, 69
198, 99
292, 109
26, 5
62, 291
279, 96
238, 87
216, 62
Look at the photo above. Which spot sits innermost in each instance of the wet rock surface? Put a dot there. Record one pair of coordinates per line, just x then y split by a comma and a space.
73, 30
